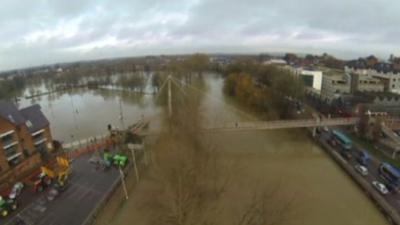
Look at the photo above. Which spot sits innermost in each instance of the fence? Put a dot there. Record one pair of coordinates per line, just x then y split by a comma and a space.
90, 145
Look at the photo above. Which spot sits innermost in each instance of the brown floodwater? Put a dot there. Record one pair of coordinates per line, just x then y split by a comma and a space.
322, 192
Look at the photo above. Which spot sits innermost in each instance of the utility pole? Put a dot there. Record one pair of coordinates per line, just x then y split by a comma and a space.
123, 183
121, 114
169, 97
134, 164
146, 162
133, 147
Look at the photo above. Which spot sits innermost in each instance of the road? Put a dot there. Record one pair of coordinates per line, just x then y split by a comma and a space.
87, 187
392, 198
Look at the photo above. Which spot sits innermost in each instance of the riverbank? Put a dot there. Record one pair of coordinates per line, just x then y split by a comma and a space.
388, 210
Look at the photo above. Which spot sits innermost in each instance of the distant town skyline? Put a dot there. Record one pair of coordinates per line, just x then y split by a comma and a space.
46, 32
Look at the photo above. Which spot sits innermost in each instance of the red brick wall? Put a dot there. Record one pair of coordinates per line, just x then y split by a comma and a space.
27, 139
5, 126
47, 134
28, 163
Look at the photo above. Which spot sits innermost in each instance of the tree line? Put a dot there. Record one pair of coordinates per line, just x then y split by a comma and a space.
265, 88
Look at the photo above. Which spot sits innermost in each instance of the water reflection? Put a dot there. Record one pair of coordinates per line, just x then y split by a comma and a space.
81, 113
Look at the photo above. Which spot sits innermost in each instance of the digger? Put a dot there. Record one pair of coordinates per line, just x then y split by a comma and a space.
59, 173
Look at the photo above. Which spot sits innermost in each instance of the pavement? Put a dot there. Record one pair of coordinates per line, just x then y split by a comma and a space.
86, 188
373, 175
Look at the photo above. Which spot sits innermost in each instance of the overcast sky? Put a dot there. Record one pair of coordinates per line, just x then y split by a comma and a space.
35, 32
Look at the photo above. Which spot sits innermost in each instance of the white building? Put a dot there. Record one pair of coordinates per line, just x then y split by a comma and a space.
311, 78
279, 62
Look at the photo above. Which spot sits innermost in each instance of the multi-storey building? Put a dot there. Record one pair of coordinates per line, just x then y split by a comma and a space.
365, 83
389, 78
312, 78
333, 86
25, 140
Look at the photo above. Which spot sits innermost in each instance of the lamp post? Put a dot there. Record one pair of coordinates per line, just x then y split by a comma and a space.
122, 176
133, 147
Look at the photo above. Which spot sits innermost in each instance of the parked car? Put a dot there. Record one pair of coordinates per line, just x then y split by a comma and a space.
52, 194
96, 160
361, 169
16, 190
380, 187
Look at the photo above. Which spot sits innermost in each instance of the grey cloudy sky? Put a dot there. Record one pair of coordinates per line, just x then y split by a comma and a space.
35, 32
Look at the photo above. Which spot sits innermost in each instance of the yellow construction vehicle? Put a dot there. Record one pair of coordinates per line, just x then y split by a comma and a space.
59, 172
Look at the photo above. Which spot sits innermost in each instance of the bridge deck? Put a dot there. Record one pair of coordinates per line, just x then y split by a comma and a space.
282, 124
268, 125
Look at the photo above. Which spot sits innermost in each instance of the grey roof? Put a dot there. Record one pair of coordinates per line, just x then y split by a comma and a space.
10, 112
35, 116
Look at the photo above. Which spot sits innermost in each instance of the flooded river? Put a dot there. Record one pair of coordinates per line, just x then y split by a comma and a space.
323, 193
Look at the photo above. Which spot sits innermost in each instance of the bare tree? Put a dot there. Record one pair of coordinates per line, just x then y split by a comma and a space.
193, 179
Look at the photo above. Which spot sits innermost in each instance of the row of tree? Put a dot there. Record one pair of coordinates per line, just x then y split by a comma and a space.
268, 89
11, 87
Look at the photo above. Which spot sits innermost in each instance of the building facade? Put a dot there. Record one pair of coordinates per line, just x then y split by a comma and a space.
365, 83
311, 78
333, 86
25, 140
390, 79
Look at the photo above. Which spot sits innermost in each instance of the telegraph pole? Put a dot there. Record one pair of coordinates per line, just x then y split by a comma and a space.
123, 182
169, 97
121, 114
133, 147
134, 164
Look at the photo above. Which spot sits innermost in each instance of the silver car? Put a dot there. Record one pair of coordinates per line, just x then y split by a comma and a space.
380, 187
361, 169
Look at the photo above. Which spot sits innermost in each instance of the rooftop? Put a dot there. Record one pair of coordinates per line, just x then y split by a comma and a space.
35, 116
31, 116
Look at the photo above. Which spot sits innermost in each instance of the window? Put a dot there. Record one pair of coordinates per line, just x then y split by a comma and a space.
14, 162
7, 139
393, 86
29, 124
11, 151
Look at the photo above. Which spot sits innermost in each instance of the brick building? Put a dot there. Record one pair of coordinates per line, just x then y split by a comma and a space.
25, 140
